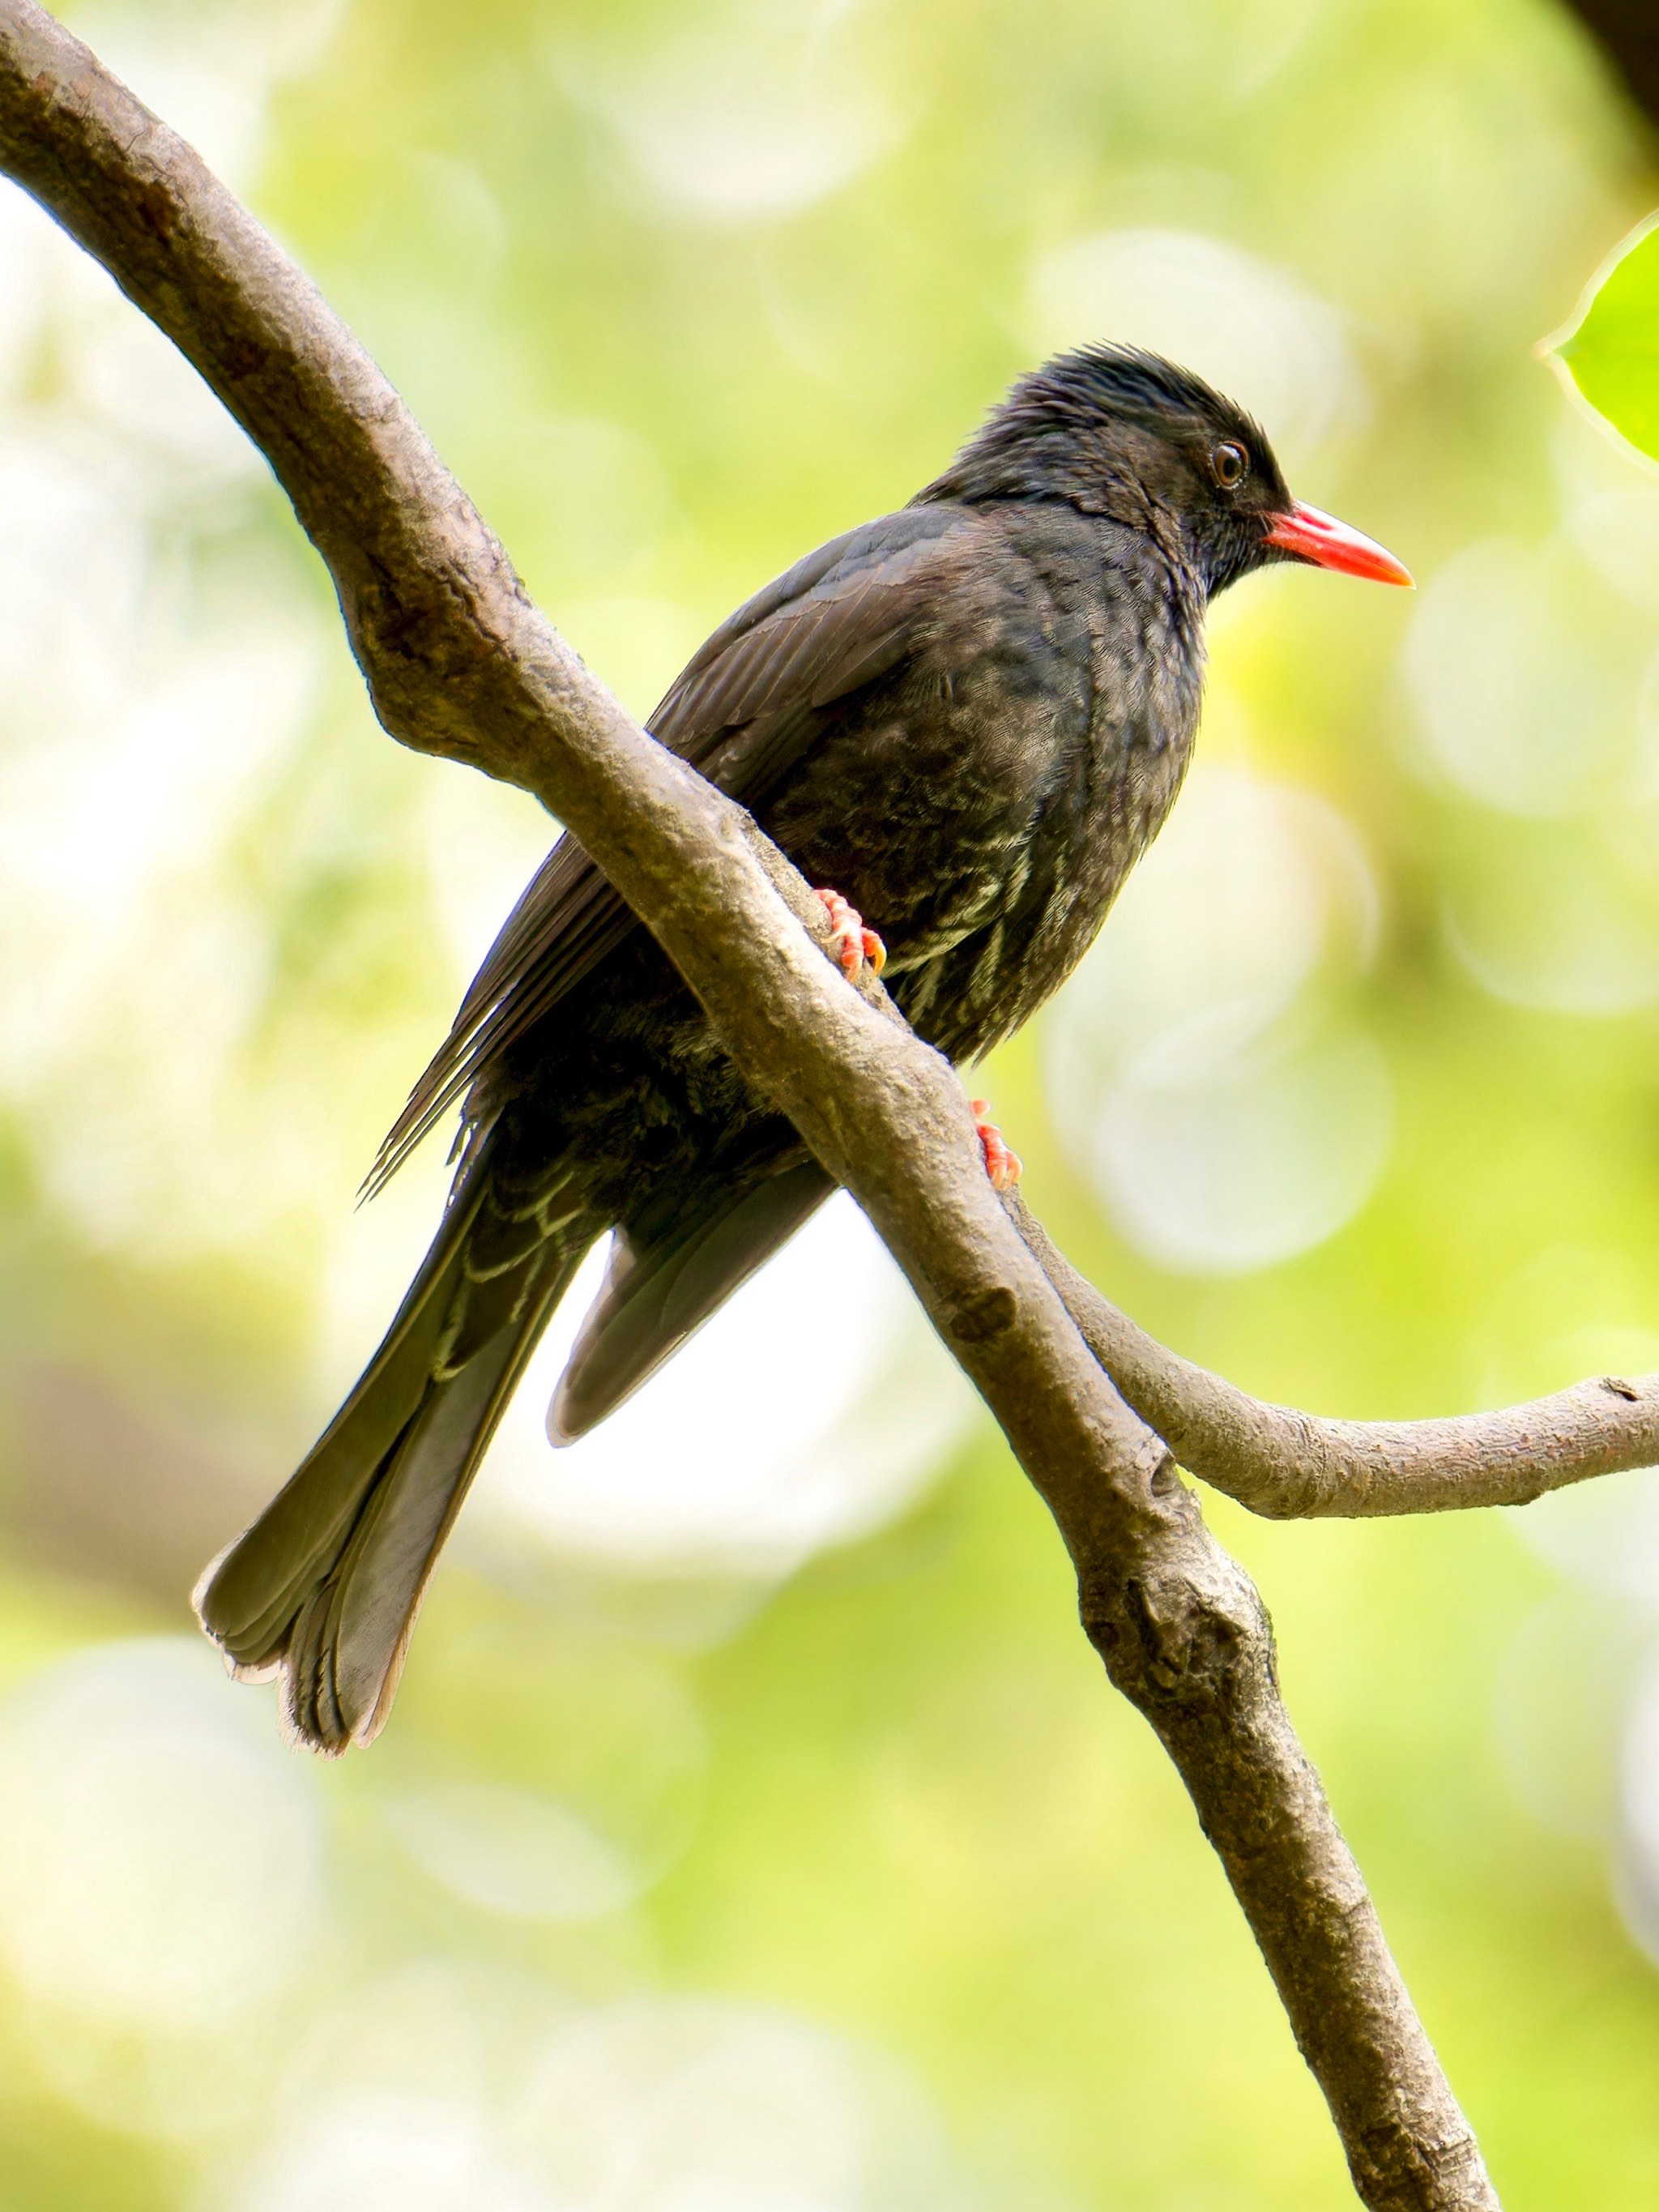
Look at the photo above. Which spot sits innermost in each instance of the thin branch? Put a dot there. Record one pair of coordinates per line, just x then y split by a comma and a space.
1291, 1466
1629, 32
459, 663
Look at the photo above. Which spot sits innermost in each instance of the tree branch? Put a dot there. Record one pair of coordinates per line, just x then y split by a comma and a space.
1293, 1466
1628, 31
459, 663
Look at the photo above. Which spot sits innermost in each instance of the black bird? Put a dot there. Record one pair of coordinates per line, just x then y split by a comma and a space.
969, 718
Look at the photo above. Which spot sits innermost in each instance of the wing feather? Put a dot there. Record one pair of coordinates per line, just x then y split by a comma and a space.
841, 617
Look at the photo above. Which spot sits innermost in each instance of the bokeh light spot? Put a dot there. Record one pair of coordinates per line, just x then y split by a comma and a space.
160, 1853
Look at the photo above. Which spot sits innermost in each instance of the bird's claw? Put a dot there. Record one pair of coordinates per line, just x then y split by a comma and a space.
1004, 1166
853, 947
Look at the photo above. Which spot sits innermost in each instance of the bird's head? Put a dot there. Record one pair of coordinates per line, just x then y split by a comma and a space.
1116, 432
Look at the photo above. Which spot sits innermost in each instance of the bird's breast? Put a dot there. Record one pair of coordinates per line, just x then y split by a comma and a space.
982, 806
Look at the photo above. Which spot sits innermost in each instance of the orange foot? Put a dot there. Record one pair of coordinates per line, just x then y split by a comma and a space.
1004, 1167
852, 944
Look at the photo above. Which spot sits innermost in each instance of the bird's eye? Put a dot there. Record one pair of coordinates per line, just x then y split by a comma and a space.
1229, 465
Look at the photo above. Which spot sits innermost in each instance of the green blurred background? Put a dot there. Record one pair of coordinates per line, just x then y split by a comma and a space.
755, 1832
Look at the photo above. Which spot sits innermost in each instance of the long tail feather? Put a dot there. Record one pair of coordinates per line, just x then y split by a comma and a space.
325, 1585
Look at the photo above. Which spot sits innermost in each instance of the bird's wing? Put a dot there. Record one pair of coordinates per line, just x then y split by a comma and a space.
745, 708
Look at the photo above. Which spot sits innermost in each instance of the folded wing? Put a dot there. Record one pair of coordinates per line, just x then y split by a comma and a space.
743, 710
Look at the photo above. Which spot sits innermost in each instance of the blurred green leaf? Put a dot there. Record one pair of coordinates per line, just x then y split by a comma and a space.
1611, 353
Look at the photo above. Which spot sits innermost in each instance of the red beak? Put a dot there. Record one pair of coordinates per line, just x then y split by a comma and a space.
1307, 535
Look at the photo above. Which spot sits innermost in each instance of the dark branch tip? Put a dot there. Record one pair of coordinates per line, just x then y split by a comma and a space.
156, 209
985, 1314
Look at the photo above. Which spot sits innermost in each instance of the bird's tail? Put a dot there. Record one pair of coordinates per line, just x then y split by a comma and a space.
325, 1585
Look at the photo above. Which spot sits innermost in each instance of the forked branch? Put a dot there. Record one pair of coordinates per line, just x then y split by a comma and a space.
1291, 1466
